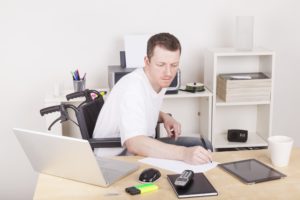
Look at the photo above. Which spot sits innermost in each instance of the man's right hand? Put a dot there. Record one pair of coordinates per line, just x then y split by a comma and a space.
197, 155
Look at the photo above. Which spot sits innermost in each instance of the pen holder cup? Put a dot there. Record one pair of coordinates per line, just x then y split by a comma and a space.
79, 85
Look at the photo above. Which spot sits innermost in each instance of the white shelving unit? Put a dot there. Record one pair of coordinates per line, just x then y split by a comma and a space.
256, 117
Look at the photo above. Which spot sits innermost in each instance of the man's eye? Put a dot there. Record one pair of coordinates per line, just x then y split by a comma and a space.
174, 65
160, 64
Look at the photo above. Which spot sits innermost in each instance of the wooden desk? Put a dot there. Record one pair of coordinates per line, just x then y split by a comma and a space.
49, 187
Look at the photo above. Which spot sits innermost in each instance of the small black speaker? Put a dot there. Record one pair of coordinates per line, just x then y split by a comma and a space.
237, 135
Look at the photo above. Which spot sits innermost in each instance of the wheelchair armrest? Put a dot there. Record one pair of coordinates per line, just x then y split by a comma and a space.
187, 142
105, 142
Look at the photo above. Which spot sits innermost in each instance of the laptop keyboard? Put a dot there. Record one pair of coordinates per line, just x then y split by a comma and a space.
113, 169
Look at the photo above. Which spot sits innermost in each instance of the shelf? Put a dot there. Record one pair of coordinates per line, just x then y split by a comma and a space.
254, 140
234, 52
220, 102
183, 94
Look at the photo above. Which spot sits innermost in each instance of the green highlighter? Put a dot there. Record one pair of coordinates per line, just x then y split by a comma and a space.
141, 189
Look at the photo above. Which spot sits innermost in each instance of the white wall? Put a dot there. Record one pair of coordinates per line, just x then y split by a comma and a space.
41, 41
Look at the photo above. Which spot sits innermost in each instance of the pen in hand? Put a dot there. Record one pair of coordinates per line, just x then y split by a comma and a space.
205, 146
204, 143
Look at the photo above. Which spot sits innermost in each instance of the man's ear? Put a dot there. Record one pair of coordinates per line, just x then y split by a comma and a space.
146, 61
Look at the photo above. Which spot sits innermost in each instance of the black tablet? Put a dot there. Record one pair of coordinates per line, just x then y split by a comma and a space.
251, 171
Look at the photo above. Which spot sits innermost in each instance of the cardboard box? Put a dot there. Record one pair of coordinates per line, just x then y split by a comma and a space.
244, 87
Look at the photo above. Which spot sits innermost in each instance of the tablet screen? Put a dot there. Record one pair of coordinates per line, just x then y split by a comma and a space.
251, 171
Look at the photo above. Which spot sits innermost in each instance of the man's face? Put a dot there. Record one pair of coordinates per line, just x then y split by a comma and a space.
162, 67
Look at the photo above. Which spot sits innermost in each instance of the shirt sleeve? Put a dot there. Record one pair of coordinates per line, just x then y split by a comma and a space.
133, 120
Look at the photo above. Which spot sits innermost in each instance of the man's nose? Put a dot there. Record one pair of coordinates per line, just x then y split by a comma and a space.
167, 70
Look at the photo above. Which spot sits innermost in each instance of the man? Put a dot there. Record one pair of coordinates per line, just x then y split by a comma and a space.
132, 109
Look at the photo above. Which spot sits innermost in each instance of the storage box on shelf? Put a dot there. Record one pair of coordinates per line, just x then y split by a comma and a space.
240, 104
243, 87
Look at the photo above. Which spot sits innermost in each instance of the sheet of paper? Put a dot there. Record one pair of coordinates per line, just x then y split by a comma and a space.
177, 166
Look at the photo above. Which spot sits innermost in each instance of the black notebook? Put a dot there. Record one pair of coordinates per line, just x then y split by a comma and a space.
199, 186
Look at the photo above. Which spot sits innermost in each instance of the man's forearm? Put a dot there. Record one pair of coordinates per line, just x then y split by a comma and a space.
145, 146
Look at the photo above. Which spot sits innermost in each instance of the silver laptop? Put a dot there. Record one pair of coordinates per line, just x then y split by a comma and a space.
70, 158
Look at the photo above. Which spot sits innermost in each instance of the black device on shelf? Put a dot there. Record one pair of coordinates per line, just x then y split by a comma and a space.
237, 135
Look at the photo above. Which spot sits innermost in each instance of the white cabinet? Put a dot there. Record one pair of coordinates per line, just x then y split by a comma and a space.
254, 116
192, 110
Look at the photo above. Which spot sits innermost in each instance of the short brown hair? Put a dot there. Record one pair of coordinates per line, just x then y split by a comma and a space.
165, 40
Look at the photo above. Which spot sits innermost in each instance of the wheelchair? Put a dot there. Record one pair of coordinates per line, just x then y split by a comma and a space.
87, 113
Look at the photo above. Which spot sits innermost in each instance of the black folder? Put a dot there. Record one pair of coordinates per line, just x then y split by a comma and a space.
199, 186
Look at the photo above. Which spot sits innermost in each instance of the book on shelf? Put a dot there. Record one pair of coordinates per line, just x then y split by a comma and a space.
245, 76
253, 80
257, 90
244, 98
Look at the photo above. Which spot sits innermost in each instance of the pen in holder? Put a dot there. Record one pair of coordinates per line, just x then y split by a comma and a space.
79, 85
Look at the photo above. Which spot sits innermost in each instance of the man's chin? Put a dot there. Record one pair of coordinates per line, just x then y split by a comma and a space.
165, 85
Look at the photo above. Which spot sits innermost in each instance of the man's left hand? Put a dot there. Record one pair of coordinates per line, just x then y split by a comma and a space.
172, 126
